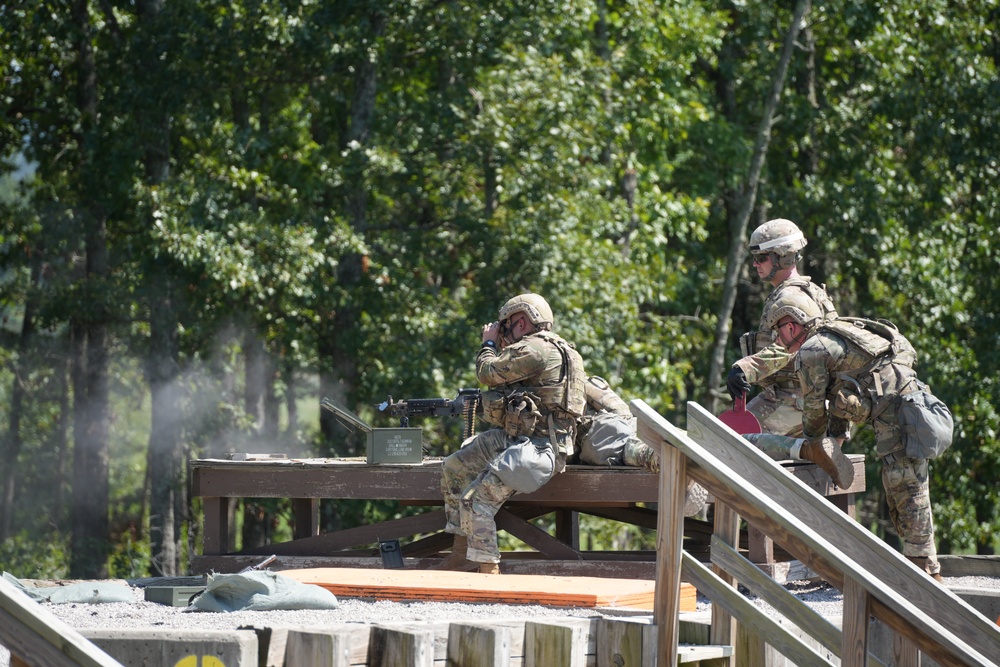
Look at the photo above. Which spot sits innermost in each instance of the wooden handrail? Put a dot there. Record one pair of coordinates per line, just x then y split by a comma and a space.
35, 636
874, 578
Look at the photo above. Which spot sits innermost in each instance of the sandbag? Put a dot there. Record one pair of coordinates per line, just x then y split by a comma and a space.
260, 591
84, 592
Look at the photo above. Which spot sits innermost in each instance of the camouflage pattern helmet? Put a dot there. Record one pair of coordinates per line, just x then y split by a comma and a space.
534, 307
798, 305
780, 238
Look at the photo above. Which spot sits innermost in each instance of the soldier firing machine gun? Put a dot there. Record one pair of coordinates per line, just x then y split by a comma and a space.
466, 404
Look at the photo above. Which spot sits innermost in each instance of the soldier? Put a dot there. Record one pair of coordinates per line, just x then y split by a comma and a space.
775, 247
861, 371
536, 396
606, 436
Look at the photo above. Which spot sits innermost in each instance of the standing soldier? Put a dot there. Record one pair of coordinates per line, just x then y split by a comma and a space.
536, 396
861, 371
775, 247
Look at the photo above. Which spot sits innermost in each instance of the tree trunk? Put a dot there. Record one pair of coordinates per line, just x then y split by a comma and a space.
291, 396
90, 378
22, 372
338, 367
163, 301
748, 196
166, 481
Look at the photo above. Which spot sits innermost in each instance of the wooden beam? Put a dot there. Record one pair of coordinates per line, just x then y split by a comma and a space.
535, 537
781, 505
325, 544
416, 482
35, 636
758, 583
725, 595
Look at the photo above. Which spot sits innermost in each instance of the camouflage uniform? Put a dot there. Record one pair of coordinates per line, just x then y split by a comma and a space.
778, 407
843, 381
606, 436
541, 364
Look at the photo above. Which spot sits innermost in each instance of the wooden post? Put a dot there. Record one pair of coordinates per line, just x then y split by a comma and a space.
669, 547
857, 607
624, 643
478, 646
391, 647
304, 648
727, 530
549, 644
215, 535
568, 527
305, 517
904, 652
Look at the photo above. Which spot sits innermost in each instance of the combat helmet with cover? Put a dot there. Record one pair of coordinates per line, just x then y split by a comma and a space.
569, 393
782, 240
534, 307
799, 306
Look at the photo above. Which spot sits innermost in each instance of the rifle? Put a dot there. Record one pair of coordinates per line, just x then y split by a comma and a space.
467, 404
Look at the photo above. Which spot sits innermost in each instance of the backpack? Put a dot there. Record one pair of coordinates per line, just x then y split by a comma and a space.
888, 344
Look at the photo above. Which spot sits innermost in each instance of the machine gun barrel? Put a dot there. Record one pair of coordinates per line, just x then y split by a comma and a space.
466, 404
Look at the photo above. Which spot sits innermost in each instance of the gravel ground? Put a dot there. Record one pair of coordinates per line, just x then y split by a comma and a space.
142, 614
819, 596
822, 598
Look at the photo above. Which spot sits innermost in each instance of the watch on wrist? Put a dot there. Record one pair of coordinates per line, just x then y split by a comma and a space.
492, 344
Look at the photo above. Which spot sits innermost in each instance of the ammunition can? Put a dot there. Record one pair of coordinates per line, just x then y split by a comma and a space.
395, 445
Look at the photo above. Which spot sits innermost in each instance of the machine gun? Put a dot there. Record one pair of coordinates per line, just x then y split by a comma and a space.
467, 404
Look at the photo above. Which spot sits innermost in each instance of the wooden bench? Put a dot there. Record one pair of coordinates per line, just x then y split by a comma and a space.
617, 493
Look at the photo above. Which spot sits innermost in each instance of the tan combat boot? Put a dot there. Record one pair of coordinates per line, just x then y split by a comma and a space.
922, 563
456, 560
826, 454
489, 568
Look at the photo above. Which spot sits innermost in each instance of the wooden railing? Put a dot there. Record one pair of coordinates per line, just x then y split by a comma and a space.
35, 636
875, 579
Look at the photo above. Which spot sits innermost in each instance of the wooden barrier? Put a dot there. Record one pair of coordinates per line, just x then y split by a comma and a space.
875, 579
35, 636
570, 642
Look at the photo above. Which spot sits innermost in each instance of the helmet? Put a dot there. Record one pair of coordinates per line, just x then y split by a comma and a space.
795, 304
534, 307
780, 238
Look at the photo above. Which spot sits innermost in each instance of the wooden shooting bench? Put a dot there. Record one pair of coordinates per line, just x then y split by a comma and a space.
617, 493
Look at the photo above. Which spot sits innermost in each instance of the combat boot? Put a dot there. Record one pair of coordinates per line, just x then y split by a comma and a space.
489, 568
826, 454
457, 560
922, 563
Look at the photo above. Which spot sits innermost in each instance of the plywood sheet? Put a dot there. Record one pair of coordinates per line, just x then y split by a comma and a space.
445, 586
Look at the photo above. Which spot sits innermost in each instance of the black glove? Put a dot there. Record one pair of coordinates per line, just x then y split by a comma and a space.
737, 383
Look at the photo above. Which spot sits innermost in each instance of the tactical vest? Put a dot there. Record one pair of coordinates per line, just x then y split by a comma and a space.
859, 393
569, 394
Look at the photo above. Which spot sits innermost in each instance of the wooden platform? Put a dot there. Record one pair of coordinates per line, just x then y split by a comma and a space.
619, 493
445, 586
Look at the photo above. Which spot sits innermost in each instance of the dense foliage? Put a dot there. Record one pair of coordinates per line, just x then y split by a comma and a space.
213, 214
